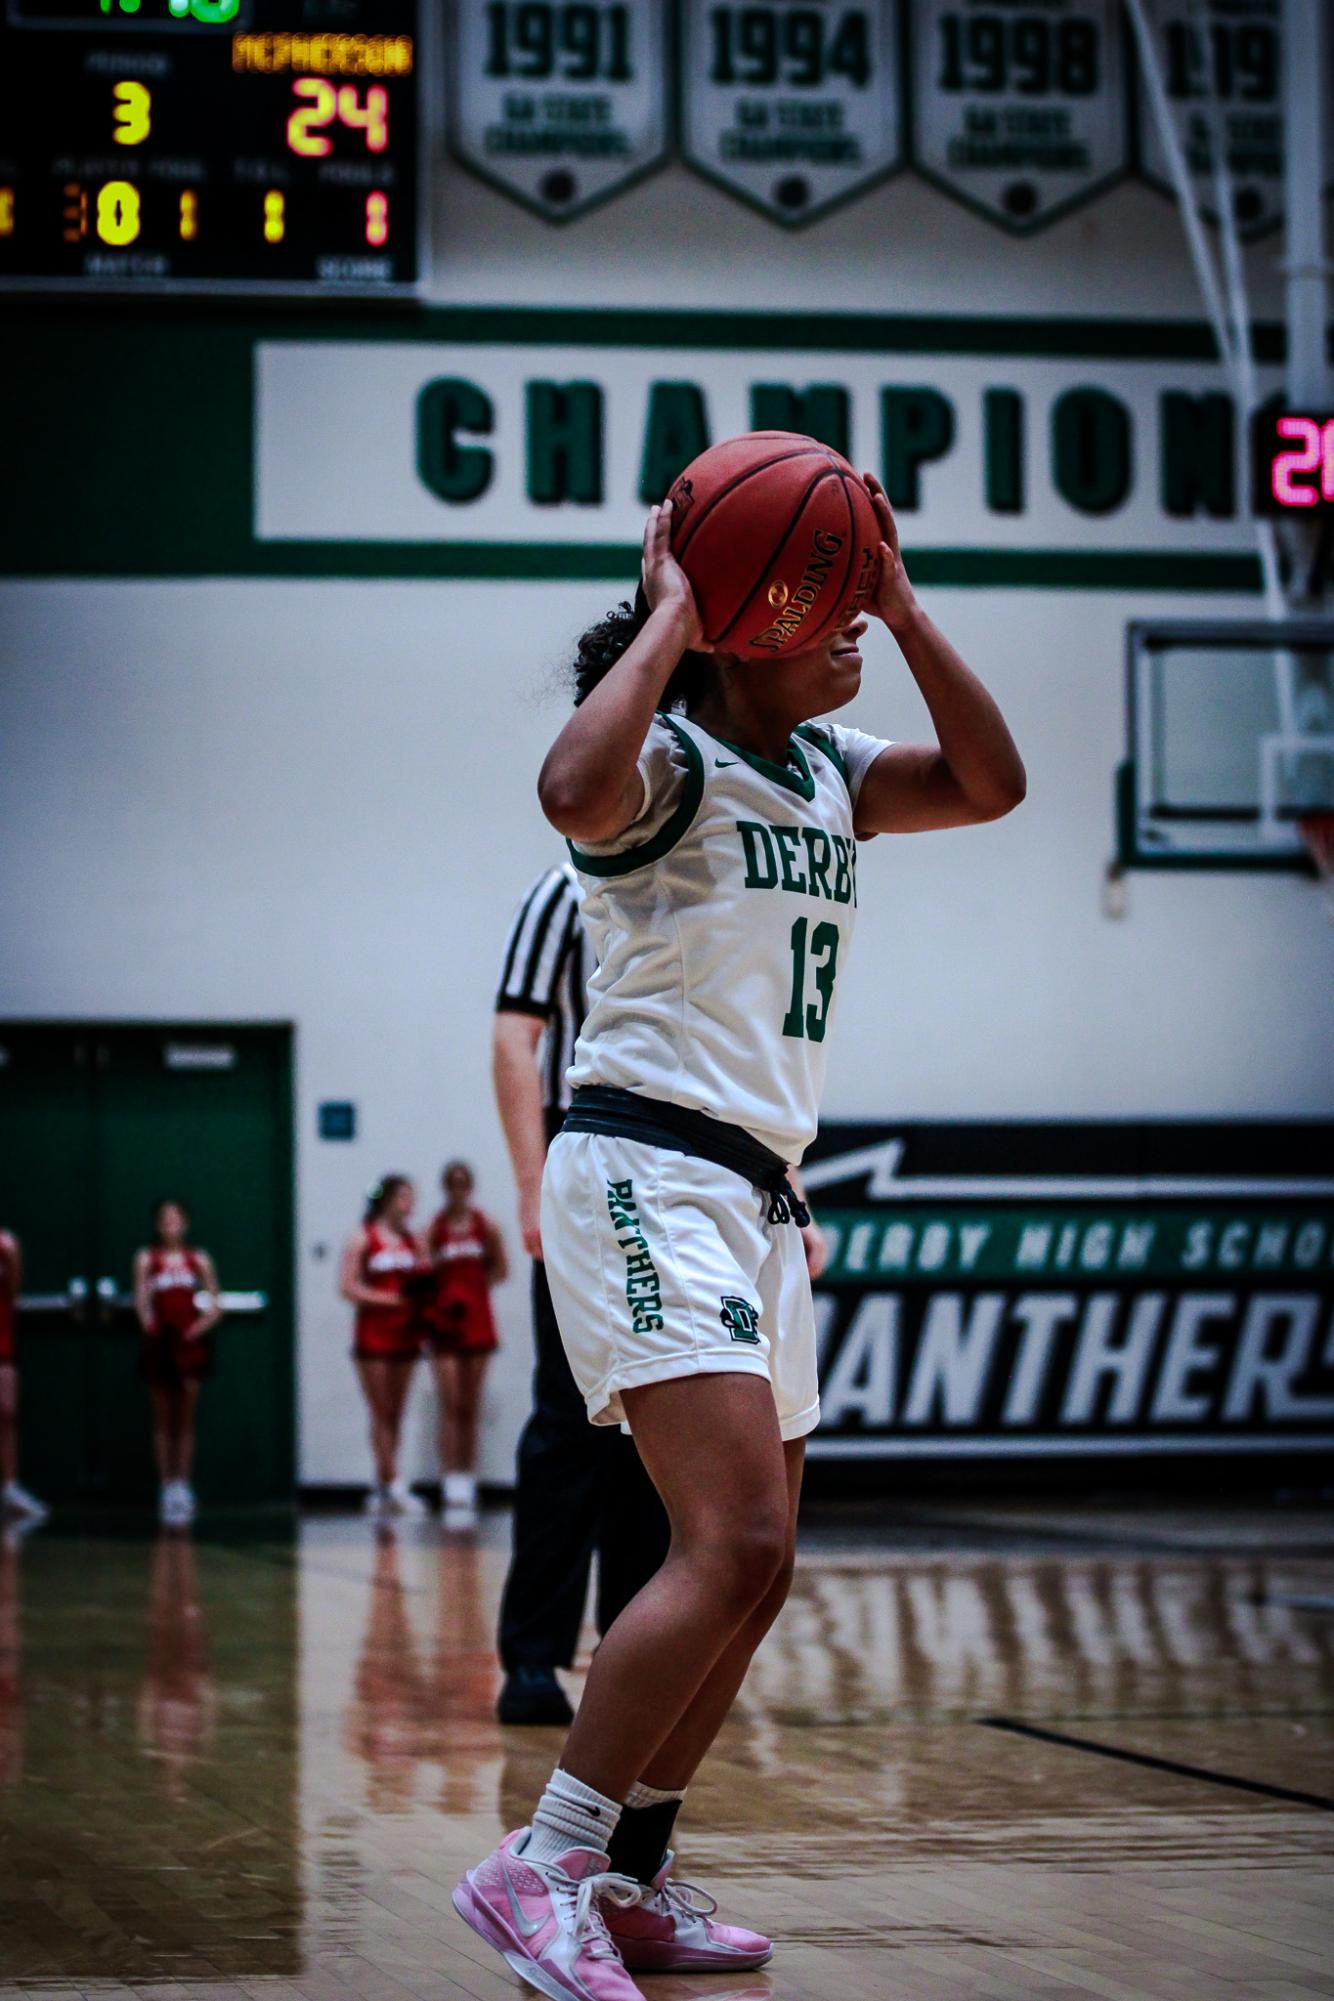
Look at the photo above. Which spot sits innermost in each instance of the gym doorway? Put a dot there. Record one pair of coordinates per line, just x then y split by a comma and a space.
98, 1123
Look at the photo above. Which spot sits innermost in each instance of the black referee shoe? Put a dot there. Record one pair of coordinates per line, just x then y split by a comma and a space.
533, 1695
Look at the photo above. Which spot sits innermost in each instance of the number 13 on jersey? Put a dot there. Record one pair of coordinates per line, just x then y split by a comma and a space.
814, 963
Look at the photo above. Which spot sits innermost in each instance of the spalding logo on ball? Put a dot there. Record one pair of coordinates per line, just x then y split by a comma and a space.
779, 539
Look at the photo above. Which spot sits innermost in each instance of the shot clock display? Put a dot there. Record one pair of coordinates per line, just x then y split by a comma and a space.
209, 144
1292, 462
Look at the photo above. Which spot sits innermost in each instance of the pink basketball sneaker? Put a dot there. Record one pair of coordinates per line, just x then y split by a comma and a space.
544, 1919
670, 1929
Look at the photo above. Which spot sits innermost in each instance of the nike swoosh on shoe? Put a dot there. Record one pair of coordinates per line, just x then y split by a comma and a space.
528, 1926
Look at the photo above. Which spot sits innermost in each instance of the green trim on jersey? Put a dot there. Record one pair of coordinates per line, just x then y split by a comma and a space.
799, 781
826, 744
669, 833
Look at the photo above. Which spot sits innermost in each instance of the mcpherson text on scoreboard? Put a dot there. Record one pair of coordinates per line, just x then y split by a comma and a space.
1027, 1289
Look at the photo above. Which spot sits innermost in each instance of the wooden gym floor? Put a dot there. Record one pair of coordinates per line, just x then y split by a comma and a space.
1008, 1753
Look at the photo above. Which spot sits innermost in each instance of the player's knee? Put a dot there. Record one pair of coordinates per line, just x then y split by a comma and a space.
766, 1609
744, 1564
768, 1555
782, 1584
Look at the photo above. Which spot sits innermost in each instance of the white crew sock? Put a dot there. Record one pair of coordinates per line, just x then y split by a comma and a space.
570, 1815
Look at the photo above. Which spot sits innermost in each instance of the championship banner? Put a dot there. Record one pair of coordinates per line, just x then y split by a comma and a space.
559, 105
1220, 62
795, 108
1019, 115
1044, 1290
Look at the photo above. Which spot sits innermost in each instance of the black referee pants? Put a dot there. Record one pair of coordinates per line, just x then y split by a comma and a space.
580, 1489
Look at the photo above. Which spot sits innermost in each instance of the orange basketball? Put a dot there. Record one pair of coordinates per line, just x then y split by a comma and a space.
779, 539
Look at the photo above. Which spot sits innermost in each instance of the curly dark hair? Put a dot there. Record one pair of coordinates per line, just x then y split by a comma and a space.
604, 643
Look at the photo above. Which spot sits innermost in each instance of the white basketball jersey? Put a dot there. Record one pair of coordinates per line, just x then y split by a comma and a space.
721, 922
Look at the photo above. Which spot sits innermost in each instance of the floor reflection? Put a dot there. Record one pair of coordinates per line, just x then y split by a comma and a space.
258, 1767
149, 1827
11, 1662
934, 1637
388, 1717
425, 1677
177, 1706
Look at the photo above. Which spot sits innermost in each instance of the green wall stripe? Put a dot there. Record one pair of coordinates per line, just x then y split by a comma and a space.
1012, 335
129, 441
837, 333
615, 563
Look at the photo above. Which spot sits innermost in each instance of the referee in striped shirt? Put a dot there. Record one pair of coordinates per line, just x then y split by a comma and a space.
579, 1488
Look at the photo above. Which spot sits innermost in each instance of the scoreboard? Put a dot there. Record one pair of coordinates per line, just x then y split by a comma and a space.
1292, 462
202, 145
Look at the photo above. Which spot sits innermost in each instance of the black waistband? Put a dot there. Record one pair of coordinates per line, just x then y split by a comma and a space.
602, 1108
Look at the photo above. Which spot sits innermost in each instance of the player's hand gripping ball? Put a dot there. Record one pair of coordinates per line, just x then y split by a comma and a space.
893, 598
779, 539
664, 583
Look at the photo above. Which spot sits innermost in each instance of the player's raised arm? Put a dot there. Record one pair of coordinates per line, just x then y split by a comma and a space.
588, 786
974, 772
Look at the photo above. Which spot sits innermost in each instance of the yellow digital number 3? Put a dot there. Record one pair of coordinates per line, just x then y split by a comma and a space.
133, 113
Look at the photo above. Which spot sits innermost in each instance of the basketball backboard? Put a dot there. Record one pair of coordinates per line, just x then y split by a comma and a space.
1230, 742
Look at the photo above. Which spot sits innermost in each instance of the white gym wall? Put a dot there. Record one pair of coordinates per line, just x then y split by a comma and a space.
313, 801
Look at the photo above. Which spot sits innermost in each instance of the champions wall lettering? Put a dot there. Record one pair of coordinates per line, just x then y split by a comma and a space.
993, 458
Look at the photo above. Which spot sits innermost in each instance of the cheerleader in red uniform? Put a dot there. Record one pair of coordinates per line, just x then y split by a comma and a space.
177, 1300
468, 1256
14, 1499
382, 1273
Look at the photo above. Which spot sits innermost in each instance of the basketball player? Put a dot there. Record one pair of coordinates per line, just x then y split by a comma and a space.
178, 1305
714, 831
15, 1499
468, 1255
382, 1267
578, 1491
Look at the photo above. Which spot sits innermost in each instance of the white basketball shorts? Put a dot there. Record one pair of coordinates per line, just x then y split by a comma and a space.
664, 1265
